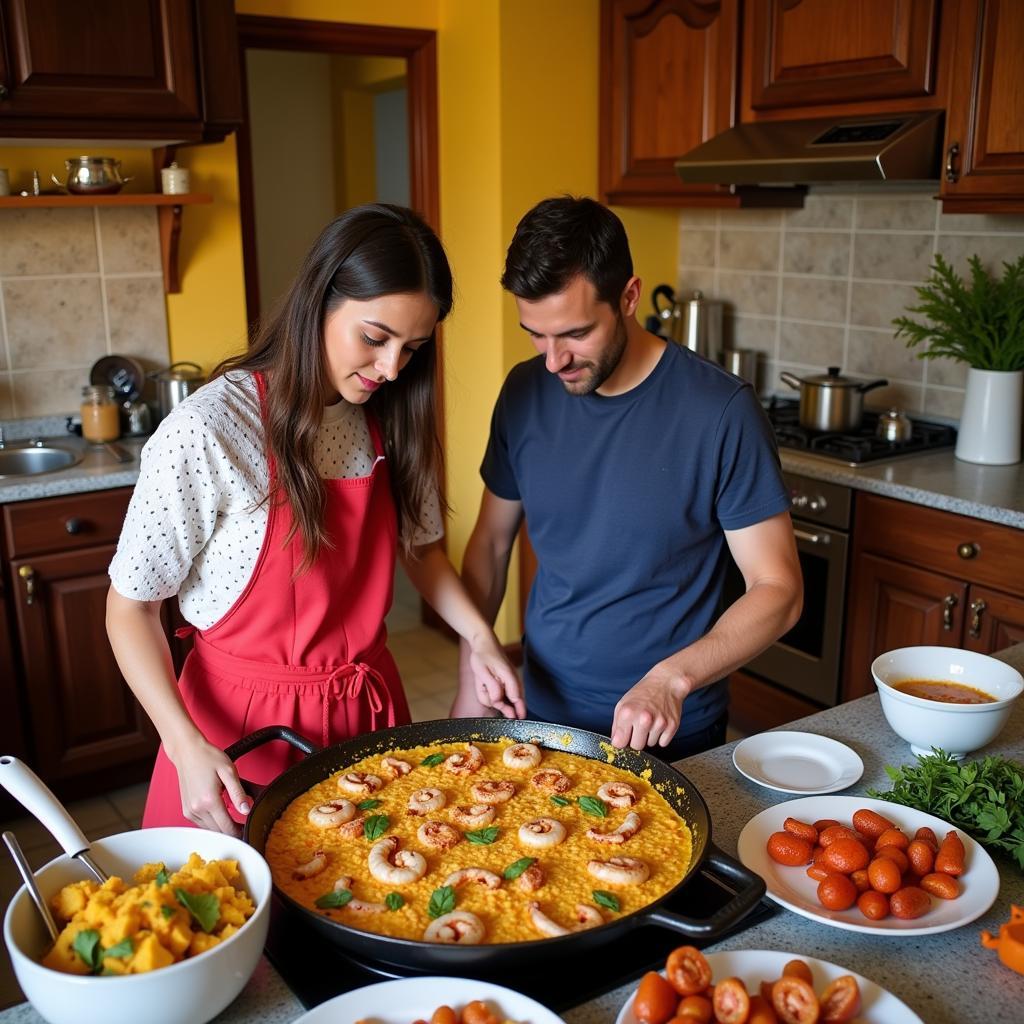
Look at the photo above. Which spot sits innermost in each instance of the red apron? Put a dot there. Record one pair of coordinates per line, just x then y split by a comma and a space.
309, 651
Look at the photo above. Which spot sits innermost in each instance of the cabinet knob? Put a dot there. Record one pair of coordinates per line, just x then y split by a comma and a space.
967, 550
28, 574
73, 525
977, 607
949, 602
952, 174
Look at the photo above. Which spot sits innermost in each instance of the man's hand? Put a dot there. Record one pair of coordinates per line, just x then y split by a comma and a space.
648, 714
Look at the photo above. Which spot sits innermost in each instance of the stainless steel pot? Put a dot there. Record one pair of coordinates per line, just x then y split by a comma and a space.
176, 383
92, 175
830, 401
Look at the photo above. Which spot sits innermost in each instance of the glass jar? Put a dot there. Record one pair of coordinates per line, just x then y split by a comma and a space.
100, 419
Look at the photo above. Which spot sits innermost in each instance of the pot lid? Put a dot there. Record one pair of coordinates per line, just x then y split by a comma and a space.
179, 371
832, 379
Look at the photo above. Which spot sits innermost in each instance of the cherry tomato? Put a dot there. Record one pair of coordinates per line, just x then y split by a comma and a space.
798, 969
444, 1015
837, 892
823, 823
477, 1013
785, 848
946, 887
894, 853
950, 858
841, 999
921, 856
892, 837
761, 1011
818, 873
909, 902
800, 828
687, 971
845, 856
834, 832
870, 823
766, 991
873, 905
656, 1000
694, 1010
794, 1001
861, 880
884, 875
731, 1002
926, 835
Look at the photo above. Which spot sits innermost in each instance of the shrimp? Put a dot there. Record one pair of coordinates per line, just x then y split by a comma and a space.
344, 884
629, 828
551, 780
395, 867
423, 801
618, 794
475, 876
332, 814
586, 917
541, 833
522, 756
465, 764
438, 835
492, 792
531, 879
619, 870
353, 829
459, 927
361, 783
473, 815
316, 863
395, 768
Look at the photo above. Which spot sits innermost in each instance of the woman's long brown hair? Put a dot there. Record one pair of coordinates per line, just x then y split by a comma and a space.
369, 251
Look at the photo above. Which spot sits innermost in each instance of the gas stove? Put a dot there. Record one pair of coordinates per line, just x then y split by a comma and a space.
856, 447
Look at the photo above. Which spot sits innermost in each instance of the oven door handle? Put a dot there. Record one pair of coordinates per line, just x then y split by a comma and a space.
811, 538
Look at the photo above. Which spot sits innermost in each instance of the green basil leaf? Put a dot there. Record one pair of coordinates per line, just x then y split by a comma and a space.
560, 801
431, 759
394, 901
333, 900
593, 806
368, 805
87, 946
607, 899
517, 867
167, 911
442, 901
162, 877
203, 906
121, 950
375, 826
483, 836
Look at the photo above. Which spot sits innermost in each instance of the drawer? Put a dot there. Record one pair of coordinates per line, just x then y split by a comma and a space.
968, 549
65, 523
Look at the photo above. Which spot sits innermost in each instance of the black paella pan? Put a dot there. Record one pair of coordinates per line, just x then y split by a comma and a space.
681, 794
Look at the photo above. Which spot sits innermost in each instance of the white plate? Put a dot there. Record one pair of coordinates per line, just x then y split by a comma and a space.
752, 966
797, 762
409, 999
794, 890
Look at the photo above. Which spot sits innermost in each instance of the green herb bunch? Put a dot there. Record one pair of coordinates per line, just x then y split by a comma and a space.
983, 798
980, 323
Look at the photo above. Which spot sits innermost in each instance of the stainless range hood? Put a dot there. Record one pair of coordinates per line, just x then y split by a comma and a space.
891, 147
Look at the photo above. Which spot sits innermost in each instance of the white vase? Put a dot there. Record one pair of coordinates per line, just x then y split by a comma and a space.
990, 425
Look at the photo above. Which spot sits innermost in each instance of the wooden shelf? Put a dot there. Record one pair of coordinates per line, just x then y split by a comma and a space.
168, 217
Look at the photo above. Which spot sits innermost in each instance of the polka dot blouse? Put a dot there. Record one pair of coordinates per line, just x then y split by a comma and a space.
197, 518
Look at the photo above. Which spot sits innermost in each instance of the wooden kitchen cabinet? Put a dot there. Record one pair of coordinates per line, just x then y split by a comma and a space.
160, 69
984, 170
11, 732
922, 576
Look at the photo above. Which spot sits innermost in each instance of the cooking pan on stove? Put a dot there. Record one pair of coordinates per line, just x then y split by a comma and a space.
677, 789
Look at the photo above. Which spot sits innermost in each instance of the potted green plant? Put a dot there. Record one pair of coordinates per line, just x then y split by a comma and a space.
979, 322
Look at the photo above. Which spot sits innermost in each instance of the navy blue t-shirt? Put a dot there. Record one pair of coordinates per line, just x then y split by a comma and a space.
625, 499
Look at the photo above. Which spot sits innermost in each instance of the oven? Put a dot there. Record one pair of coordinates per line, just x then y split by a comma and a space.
808, 659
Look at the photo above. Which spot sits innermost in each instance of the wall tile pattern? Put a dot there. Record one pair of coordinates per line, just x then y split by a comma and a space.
820, 286
75, 284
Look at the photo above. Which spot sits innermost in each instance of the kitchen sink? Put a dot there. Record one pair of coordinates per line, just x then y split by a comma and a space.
34, 460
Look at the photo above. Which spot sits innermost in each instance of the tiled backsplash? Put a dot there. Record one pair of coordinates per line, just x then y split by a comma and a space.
75, 284
820, 286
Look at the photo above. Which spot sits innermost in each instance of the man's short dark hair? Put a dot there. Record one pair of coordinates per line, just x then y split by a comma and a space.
561, 238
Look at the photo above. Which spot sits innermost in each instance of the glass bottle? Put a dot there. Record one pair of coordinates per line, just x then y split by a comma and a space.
100, 419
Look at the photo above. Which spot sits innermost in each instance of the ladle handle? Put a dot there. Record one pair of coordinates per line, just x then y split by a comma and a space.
35, 796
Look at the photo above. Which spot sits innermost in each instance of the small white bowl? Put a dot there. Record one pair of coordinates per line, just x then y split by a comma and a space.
190, 992
955, 728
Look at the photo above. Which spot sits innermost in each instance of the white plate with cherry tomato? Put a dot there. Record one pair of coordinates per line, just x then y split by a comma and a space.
411, 999
791, 886
752, 966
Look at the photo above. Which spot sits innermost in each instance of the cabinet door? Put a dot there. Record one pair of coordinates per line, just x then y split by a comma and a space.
985, 121
803, 55
11, 732
668, 69
894, 605
83, 716
992, 621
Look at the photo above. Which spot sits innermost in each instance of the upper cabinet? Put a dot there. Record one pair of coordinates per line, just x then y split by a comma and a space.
814, 58
146, 69
984, 169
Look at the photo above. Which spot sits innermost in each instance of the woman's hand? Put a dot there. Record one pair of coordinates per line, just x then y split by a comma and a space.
204, 773
495, 683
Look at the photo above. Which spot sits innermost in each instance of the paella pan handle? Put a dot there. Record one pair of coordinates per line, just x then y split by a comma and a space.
749, 890
271, 732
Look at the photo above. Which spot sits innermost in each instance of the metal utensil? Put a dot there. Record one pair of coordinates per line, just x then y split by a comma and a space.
37, 798
29, 879
830, 401
894, 425
92, 175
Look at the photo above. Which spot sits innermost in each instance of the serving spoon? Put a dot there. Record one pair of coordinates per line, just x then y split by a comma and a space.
37, 798
29, 878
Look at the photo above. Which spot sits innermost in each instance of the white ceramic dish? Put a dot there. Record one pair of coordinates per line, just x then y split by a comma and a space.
955, 728
408, 999
797, 762
189, 992
791, 887
752, 966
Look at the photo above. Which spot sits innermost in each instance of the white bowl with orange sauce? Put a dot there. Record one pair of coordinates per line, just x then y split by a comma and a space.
926, 722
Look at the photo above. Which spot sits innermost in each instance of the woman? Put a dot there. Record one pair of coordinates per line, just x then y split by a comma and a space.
272, 503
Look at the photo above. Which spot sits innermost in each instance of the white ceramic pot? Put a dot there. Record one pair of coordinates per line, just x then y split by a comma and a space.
189, 992
990, 425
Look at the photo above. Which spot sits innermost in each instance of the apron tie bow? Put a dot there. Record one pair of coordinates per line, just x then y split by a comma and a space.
350, 682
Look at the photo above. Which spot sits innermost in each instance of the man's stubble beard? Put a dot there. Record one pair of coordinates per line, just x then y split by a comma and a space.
605, 366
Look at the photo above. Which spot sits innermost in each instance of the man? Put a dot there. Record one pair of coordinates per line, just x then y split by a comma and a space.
636, 464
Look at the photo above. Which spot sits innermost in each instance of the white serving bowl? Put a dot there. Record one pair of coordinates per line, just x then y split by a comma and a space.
955, 728
190, 992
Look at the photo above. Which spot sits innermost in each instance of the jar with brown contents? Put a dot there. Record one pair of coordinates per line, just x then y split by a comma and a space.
100, 420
